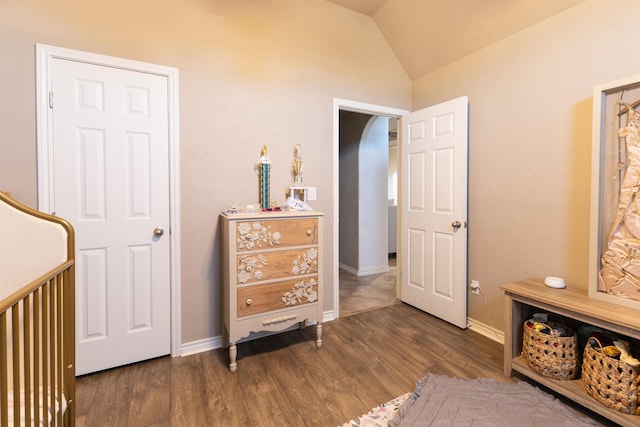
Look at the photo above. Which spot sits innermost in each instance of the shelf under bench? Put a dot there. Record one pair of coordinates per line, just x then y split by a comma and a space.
526, 296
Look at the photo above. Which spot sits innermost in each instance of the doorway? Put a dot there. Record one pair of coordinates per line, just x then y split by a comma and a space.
367, 212
365, 268
133, 135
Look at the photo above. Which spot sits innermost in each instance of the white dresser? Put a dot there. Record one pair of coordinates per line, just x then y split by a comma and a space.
272, 273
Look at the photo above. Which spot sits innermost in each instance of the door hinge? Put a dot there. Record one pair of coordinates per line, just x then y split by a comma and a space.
50, 99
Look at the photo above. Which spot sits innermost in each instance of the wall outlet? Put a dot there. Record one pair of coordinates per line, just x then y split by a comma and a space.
475, 287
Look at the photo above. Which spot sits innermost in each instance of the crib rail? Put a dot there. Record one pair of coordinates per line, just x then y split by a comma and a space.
38, 323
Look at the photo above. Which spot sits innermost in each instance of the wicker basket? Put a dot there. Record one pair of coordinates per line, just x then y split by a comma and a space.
549, 356
610, 381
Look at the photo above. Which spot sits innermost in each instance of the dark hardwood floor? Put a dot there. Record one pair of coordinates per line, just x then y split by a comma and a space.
284, 380
366, 359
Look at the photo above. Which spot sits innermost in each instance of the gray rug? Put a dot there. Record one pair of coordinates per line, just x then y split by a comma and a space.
444, 401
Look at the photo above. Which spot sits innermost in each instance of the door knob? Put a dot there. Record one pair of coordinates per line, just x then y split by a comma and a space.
158, 232
456, 224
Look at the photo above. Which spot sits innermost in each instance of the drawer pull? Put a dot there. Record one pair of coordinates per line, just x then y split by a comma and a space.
279, 320
249, 302
309, 232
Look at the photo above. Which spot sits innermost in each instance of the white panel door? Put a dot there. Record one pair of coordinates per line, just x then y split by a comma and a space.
111, 181
434, 210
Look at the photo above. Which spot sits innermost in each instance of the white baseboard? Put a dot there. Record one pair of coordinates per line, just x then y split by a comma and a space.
348, 269
486, 330
214, 343
328, 316
360, 273
200, 346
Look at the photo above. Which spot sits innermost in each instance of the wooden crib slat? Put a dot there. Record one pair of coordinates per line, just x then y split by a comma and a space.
26, 339
45, 352
59, 342
37, 315
69, 342
51, 392
15, 358
4, 407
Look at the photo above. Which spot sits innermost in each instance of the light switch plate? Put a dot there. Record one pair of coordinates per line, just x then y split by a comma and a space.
311, 193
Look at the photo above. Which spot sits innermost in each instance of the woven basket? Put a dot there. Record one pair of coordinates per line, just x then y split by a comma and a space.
552, 357
610, 381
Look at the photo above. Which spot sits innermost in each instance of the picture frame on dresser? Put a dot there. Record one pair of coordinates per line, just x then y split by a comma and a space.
609, 166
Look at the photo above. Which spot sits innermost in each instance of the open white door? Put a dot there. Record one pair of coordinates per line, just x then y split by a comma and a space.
434, 210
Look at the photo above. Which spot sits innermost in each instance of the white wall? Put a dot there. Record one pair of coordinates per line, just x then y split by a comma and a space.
373, 213
351, 127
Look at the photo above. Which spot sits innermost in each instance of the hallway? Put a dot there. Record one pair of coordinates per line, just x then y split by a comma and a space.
358, 294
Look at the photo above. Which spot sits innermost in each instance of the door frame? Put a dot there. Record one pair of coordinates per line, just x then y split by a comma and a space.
45, 55
357, 107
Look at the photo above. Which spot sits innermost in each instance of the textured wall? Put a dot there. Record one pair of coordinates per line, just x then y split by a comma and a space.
530, 107
251, 73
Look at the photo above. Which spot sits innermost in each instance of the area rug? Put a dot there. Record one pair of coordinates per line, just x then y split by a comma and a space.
380, 415
445, 401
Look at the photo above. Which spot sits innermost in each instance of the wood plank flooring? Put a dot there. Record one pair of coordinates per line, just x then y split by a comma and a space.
284, 380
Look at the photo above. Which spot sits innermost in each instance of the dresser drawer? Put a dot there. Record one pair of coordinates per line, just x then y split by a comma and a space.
255, 267
264, 234
276, 296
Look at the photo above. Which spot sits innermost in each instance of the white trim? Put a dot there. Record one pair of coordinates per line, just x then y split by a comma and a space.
486, 330
328, 316
361, 273
358, 107
200, 346
44, 56
347, 268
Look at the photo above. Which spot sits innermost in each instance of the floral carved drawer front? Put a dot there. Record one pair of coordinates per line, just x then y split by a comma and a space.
307, 263
256, 235
275, 296
250, 267
276, 265
302, 292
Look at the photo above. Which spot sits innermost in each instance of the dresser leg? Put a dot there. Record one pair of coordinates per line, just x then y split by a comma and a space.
233, 353
319, 335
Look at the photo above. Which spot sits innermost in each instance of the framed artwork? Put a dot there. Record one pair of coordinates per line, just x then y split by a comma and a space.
614, 255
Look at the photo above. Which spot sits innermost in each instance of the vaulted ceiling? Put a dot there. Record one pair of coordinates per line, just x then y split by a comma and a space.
427, 34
